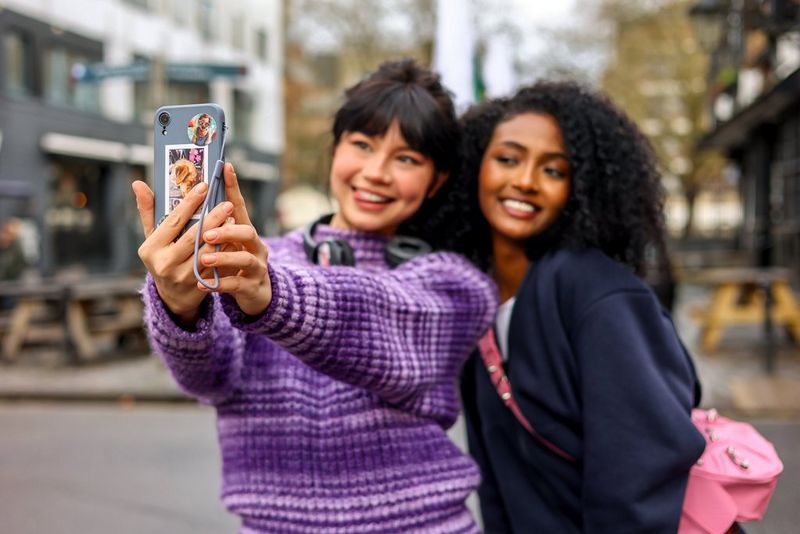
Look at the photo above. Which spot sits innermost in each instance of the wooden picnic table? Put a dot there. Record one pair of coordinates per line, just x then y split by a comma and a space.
82, 312
100, 306
36, 310
741, 295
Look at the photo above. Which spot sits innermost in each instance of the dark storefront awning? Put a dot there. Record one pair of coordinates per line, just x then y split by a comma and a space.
767, 109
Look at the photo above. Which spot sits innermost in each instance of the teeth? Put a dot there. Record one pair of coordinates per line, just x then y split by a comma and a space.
371, 197
519, 205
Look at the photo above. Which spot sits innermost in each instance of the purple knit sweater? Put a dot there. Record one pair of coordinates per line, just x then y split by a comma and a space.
332, 406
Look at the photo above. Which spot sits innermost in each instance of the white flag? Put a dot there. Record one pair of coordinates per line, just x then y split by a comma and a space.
499, 76
454, 49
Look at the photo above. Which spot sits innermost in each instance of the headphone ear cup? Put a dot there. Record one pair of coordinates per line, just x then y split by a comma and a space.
346, 254
403, 248
333, 252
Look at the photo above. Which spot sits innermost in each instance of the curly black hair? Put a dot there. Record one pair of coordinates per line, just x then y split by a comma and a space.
616, 197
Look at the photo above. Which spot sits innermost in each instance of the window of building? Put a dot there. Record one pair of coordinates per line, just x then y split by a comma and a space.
144, 4
242, 115
76, 213
143, 96
19, 64
262, 47
205, 21
237, 33
59, 86
187, 92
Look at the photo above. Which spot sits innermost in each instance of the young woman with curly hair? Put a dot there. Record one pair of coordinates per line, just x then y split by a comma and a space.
566, 204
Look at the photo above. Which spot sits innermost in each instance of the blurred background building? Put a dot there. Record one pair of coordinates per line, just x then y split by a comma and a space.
752, 115
79, 82
712, 83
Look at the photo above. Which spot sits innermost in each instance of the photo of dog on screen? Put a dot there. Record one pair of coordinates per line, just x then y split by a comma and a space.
186, 167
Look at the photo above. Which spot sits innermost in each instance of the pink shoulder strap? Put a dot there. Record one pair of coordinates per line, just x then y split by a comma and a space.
490, 355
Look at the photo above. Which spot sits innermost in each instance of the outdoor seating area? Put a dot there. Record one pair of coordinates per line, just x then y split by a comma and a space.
85, 318
742, 296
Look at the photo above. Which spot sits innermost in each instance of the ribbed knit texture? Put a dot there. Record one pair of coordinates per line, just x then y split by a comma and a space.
332, 406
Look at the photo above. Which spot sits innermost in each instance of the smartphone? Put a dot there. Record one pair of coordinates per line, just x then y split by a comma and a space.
188, 141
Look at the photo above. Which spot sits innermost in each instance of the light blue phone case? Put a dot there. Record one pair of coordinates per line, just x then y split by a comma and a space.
183, 155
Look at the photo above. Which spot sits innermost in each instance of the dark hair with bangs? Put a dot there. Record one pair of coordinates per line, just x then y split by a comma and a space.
413, 96
616, 198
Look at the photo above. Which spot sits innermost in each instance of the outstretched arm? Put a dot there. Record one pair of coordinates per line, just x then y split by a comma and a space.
395, 333
205, 360
185, 326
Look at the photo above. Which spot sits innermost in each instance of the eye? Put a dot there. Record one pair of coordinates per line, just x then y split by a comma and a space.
556, 173
361, 144
410, 160
506, 161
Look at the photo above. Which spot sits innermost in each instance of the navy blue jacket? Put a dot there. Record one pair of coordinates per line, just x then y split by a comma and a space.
598, 369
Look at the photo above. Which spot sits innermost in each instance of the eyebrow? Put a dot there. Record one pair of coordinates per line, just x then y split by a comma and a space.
518, 146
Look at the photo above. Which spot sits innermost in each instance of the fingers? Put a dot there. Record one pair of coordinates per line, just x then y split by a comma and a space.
145, 204
237, 234
234, 194
214, 218
239, 261
177, 220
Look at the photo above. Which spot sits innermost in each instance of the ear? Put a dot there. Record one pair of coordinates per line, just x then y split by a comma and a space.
438, 182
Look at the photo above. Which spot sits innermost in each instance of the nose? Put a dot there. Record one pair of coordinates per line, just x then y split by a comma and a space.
374, 169
527, 181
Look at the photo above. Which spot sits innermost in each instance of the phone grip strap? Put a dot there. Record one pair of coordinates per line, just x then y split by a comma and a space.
211, 196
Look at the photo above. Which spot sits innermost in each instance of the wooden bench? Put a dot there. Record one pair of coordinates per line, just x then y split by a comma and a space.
77, 315
102, 306
738, 297
37, 310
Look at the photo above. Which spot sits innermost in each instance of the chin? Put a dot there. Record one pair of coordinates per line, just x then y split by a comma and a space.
365, 222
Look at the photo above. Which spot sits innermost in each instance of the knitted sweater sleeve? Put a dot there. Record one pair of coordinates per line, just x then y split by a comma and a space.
204, 362
396, 333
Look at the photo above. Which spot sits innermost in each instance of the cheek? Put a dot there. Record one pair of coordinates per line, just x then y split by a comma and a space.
487, 187
343, 166
413, 187
561, 194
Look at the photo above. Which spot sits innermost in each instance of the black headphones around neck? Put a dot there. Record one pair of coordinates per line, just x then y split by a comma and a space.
334, 251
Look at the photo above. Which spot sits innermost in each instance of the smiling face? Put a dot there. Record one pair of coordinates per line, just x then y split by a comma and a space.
379, 181
524, 179
203, 124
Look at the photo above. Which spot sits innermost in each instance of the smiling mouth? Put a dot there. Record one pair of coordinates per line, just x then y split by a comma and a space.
369, 196
519, 206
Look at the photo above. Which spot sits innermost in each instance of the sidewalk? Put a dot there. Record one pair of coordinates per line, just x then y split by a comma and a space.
733, 378
141, 378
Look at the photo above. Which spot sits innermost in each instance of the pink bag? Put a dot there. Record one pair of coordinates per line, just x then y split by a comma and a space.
733, 480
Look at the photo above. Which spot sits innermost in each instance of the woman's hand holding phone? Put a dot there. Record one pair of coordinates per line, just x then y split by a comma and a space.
243, 258
168, 252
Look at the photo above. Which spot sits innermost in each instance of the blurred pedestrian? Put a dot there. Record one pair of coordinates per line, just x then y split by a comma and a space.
12, 255
566, 199
333, 366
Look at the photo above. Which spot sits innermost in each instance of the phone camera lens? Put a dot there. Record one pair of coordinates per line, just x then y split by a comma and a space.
163, 118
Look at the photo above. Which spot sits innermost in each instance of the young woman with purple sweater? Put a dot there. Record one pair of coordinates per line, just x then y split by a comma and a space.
334, 385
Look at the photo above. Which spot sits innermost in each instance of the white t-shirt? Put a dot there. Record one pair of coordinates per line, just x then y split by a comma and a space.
502, 322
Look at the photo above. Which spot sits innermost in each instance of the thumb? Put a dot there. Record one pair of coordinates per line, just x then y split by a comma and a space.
145, 204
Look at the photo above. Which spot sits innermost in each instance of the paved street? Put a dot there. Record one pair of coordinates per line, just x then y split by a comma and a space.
113, 463
98, 469
152, 469
101, 468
